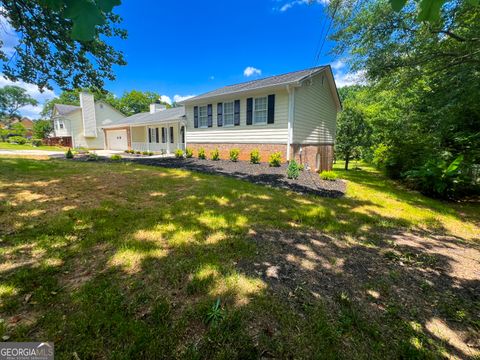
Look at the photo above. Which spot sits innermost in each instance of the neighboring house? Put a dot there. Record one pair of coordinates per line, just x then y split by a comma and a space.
294, 114
27, 124
160, 130
81, 126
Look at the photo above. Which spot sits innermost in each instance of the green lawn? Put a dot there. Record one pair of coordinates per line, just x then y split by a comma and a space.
126, 261
8, 146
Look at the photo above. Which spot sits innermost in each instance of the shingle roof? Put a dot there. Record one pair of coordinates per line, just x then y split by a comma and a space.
148, 118
65, 109
271, 81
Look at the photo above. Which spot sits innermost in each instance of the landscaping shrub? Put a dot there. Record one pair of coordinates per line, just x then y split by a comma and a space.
275, 159
138, 152
292, 171
20, 140
130, 151
150, 153
188, 153
145, 153
69, 154
301, 167
255, 156
92, 157
215, 155
179, 154
116, 157
234, 154
328, 175
201, 154
36, 142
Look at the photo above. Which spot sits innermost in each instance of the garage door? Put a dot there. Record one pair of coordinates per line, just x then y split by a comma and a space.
117, 140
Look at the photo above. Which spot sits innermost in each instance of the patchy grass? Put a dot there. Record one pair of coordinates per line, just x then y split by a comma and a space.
117, 260
8, 146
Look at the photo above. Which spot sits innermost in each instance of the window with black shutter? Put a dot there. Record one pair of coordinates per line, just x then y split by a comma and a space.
271, 109
219, 114
164, 135
149, 135
210, 115
249, 111
157, 138
237, 113
195, 117
171, 135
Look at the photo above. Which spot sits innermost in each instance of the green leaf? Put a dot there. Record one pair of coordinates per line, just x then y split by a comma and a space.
473, 2
397, 5
108, 5
86, 16
455, 164
430, 10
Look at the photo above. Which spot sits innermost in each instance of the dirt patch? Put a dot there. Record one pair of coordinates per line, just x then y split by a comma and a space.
416, 277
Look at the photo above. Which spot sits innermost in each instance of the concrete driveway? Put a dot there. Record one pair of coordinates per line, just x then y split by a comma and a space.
32, 153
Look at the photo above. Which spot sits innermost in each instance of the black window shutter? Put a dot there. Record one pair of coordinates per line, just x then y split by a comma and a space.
171, 135
237, 113
219, 114
210, 115
149, 135
195, 117
271, 109
249, 111
163, 135
156, 135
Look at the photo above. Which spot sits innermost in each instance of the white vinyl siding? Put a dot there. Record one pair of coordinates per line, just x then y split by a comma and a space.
315, 112
203, 117
260, 111
228, 113
275, 133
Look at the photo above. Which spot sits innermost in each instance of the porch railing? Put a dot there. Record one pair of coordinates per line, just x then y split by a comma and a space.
157, 147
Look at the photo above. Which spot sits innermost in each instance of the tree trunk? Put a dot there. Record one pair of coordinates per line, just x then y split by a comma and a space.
347, 160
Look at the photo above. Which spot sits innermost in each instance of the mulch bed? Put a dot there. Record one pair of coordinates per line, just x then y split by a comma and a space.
307, 182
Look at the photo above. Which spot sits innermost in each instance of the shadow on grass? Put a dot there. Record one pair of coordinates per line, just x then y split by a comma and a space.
133, 274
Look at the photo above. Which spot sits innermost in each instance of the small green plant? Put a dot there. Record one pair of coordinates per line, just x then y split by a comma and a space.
301, 167
145, 153
255, 156
328, 175
292, 171
188, 153
201, 154
92, 157
234, 154
127, 151
275, 159
150, 153
116, 157
20, 140
179, 154
36, 142
69, 154
215, 314
215, 155
138, 152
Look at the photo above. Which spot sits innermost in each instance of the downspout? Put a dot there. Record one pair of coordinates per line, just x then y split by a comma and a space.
291, 109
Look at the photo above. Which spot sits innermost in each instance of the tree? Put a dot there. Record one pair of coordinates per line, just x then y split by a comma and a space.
62, 42
42, 128
12, 99
422, 102
352, 133
135, 102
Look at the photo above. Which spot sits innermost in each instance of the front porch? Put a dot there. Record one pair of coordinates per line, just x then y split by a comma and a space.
163, 138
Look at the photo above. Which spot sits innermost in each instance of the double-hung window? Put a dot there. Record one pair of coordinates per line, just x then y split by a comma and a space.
260, 110
203, 116
228, 113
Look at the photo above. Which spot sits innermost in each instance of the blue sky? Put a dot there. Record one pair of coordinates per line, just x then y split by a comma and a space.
184, 48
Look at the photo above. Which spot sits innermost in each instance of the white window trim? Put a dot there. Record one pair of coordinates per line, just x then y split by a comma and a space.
232, 113
254, 122
206, 117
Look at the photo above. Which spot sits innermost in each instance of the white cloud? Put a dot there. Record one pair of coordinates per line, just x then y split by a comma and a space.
338, 65
290, 4
348, 78
179, 98
250, 70
166, 99
33, 91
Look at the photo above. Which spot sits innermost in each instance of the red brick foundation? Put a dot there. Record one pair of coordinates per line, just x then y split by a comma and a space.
245, 149
316, 157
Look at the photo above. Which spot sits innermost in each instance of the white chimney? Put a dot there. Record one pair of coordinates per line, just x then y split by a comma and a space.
156, 107
87, 103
